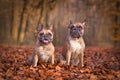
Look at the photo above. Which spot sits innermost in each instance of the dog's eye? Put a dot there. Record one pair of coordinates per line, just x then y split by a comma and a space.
80, 27
49, 34
72, 26
41, 33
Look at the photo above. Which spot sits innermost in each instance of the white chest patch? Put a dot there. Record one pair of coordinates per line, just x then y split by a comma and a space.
44, 54
44, 57
75, 46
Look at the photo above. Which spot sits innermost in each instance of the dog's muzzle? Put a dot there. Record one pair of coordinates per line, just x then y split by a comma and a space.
76, 33
45, 39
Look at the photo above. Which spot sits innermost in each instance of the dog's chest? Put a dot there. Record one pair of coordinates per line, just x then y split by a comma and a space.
44, 53
75, 46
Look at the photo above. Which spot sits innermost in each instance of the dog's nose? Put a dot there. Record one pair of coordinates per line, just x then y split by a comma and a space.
75, 29
46, 37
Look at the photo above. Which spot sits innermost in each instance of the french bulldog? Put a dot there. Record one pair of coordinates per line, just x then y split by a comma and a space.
73, 50
44, 48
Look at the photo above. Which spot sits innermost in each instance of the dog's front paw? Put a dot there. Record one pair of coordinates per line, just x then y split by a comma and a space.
34, 65
80, 65
52, 62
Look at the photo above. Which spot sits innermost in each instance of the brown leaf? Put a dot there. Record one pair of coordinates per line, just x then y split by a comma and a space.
1, 78
93, 77
43, 66
9, 73
32, 69
86, 70
29, 79
65, 76
42, 73
50, 66
49, 73
57, 74
117, 74
110, 76
58, 68
27, 73
60, 78
16, 77
20, 72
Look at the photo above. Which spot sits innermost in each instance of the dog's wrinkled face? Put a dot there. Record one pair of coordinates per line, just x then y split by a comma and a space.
45, 36
77, 30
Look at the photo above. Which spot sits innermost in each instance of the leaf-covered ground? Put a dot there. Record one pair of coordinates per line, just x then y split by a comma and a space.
100, 64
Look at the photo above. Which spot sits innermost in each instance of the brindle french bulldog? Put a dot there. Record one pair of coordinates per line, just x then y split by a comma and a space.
73, 50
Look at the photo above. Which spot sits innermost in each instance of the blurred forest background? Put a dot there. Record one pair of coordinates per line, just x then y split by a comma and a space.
20, 18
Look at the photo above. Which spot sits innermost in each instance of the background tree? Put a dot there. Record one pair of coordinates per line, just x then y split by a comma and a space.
19, 19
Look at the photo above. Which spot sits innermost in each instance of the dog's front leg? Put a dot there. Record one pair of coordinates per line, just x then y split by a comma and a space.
52, 59
81, 56
68, 57
35, 60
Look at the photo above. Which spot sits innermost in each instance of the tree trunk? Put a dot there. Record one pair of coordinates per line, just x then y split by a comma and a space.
23, 26
18, 7
24, 17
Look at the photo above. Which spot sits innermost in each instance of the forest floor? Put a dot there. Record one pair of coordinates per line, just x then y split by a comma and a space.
100, 64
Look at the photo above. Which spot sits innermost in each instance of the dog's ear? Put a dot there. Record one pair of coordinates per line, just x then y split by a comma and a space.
83, 24
70, 25
71, 22
51, 28
40, 27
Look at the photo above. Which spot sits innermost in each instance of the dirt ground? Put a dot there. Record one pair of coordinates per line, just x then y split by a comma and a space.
100, 64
